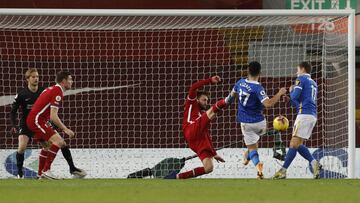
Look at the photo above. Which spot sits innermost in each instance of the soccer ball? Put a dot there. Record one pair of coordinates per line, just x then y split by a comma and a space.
281, 123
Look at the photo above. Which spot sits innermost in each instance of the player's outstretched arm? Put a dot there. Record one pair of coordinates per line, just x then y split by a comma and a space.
268, 103
56, 120
231, 97
195, 86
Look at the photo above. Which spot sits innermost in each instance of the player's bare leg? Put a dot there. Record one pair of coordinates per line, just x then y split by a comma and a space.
23, 142
57, 143
246, 158
296, 141
208, 165
254, 157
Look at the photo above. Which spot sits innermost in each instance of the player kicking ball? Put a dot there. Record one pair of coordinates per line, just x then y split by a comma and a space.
25, 99
252, 99
197, 118
44, 110
303, 96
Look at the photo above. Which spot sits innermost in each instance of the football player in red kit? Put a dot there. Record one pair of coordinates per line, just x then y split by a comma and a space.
196, 121
45, 109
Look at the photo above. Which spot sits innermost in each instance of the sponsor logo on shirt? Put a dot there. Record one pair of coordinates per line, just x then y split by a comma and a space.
58, 98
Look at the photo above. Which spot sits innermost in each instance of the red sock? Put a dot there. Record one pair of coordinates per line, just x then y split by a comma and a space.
219, 105
42, 159
193, 173
51, 156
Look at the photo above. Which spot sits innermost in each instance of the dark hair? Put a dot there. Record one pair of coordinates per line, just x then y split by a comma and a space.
254, 68
306, 66
200, 93
60, 76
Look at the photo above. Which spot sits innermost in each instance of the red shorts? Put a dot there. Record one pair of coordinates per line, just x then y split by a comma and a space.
198, 137
41, 129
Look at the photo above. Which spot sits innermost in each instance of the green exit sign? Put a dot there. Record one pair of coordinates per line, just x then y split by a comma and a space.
321, 4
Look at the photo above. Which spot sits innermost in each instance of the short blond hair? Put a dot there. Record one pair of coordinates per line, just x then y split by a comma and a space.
29, 71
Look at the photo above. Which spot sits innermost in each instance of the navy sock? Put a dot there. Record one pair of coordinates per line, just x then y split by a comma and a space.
304, 152
254, 156
67, 155
290, 155
20, 163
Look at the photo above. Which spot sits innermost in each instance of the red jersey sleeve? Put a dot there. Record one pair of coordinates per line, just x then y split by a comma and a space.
56, 97
194, 87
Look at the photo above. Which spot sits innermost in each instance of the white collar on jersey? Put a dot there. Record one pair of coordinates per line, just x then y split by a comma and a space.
60, 87
253, 82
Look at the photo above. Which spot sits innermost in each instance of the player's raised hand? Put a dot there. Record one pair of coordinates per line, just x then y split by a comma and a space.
69, 132
282, 91
215, 79
219, 158
286, 98
13, 130
291, 88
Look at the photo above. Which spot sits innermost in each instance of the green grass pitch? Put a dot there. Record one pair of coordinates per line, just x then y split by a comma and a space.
179, 191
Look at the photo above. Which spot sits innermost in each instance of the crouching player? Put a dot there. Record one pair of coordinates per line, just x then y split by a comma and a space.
196, 121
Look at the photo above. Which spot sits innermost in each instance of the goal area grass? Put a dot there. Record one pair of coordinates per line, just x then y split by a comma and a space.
179, 191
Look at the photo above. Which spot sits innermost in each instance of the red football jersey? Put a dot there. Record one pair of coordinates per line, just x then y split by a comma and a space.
192, 110
50, 97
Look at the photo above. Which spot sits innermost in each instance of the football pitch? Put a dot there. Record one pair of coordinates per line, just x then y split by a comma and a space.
179, 191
